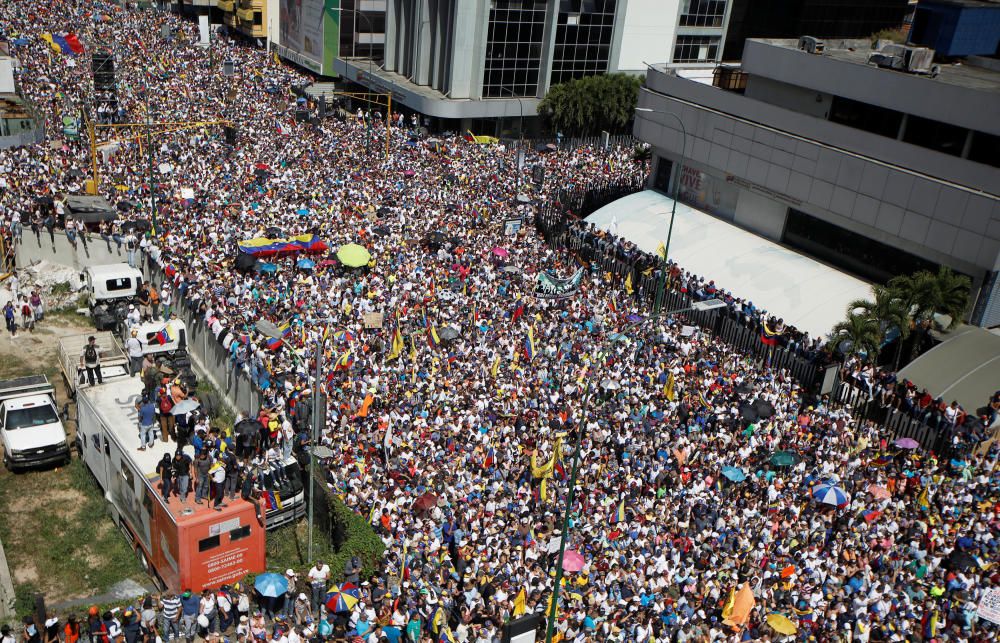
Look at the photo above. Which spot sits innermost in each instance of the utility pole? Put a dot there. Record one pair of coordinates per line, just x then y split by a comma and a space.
149, 156
316, 423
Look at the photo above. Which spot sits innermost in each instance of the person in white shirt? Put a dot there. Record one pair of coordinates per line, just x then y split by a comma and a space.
133, 347
319, 575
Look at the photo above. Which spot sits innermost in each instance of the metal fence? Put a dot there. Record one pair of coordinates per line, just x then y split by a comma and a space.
568, 144
897, 424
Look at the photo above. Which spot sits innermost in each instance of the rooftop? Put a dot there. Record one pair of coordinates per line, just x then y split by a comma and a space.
960, 74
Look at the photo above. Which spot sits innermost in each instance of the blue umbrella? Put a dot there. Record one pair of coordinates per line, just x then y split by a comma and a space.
734, 473
268, 267
830, 494
302, 211
306, 264
272, 585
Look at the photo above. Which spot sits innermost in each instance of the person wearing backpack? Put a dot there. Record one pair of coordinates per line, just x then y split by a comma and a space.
90, 358
165, 404
27, 315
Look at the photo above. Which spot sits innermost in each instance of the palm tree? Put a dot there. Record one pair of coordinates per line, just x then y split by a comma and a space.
890, 310
862, 334
925, 294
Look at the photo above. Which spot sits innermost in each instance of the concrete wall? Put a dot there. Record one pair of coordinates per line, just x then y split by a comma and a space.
96, 253
797, 99
858, 181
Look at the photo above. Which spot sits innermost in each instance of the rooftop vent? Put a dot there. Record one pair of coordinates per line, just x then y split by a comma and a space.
912, 60
810, 44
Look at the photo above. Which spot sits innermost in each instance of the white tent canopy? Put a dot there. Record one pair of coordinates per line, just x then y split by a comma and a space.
804, 292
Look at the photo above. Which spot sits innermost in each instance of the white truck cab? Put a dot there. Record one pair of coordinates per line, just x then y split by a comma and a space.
30, 428
109, 289
159, 338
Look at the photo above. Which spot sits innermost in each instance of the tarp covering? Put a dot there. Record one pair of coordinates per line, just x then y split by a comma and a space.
263, 247
90, 209
804, 292
964, 367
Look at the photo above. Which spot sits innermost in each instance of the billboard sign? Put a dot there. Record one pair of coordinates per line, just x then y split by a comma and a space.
309, 33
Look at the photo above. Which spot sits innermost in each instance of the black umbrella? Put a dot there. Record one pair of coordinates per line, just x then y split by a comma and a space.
764, 409
274, 233
248, 427
75, 173
437, 237
382, 211
744, 389
261, 174
749, 413
381, 231
139, 225
960, 561
124, 206
245, 262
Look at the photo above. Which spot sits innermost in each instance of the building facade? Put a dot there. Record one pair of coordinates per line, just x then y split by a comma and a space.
877, 171
482, 59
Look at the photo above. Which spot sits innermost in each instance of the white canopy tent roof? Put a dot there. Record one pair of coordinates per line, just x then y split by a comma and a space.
804, 292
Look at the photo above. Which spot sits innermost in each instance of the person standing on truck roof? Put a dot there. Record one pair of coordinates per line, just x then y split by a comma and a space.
166, 470
142, 296
202, 480
133, 347
90, 358
147, 422
132, 318
182, 473
154, 302
165, 406
218, 475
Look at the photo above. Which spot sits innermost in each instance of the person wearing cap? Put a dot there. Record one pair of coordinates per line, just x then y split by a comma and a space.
293, 580
301, 609
50, 633
90, 359
190, 606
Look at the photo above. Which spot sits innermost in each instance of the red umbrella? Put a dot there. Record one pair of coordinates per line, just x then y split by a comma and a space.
425, 502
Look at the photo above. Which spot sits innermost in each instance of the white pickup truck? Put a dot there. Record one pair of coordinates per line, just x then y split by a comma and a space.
30, 428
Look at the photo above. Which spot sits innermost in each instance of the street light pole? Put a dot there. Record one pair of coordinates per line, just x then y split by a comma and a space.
708, 304
149, 155
316, 423
673, 206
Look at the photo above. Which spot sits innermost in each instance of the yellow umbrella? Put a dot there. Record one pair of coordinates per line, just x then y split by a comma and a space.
781, 624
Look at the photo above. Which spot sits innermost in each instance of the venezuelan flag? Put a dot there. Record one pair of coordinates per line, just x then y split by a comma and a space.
490, 458
432, 337
162, 337
264, 247
274, 343
529, 344
768, 335
345, 361
619, 514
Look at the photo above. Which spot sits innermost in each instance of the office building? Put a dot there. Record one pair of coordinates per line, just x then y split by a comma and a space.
463, 60
880, 163
831, 19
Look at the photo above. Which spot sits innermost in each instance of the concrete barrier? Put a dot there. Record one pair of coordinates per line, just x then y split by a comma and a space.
57, 249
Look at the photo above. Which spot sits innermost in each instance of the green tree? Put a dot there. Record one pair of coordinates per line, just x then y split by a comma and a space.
925, 294
590, 105
862, 334
889, 310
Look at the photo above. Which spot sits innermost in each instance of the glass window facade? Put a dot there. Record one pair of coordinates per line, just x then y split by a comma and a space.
513, 48
584, 31
696, 49
702, 13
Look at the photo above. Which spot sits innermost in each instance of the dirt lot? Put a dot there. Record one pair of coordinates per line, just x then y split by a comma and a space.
58, 538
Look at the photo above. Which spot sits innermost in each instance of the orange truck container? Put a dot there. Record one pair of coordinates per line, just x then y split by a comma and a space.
183, 546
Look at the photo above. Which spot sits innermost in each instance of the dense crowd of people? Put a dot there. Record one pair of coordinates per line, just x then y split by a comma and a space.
455, 423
